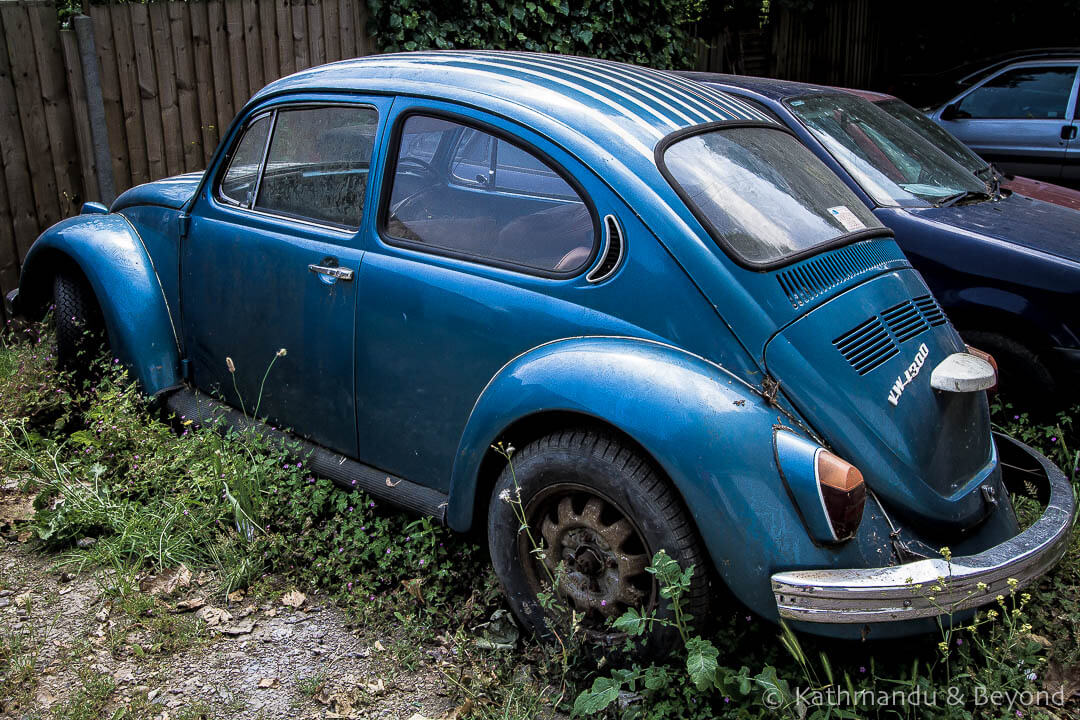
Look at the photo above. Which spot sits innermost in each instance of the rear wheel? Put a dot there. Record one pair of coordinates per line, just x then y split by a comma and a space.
599, 511
1025, 379
80, 329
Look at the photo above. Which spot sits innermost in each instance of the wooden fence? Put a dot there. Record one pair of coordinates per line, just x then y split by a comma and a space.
167, 81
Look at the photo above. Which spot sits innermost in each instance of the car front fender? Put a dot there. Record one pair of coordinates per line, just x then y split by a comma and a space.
711, 433
112, 257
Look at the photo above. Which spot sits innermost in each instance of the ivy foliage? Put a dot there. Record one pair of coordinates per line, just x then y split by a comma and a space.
655, 33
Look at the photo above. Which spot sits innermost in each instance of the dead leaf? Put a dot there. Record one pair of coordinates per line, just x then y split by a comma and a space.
213, 616
267, 683
293, 599
418, 716
167, 582
379, 646
375, 688
235, 596
459, 712
189, 604
1062, 682
413, 588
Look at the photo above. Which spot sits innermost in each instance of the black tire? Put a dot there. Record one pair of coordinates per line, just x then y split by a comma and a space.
582, 491
1024, 378
80, 329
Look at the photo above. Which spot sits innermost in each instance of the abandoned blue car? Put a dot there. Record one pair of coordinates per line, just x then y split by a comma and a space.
697, 338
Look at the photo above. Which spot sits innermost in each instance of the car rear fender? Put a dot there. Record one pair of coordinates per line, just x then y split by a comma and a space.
111, 255
710, 433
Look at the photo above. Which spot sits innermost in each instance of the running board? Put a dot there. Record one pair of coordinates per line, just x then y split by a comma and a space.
345, 472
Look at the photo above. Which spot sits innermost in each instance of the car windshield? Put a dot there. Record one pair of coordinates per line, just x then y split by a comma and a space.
762, 194
892, 163
934, 133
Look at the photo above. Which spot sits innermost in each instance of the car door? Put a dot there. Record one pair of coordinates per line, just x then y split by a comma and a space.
1071, 133
269, 267
1018, 118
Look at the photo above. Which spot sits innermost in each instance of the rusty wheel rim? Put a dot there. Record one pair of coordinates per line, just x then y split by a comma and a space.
602, 554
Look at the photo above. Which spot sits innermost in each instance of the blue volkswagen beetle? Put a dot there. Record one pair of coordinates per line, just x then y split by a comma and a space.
1004, 266
697, 337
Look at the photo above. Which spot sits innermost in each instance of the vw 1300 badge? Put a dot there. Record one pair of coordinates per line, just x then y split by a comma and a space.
909, 374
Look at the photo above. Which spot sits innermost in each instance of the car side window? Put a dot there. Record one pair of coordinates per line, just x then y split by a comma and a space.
317, 164
238, 185
1022, 93
490, 199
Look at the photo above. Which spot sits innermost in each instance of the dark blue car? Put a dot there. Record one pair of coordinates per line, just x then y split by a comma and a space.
1005, 267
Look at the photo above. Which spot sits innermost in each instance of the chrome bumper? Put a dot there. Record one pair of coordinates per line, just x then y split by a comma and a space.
927, 588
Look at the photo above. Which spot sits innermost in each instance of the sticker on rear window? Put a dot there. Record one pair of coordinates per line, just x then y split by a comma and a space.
847, 218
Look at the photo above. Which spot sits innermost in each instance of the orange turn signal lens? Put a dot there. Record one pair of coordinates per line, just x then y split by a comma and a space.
843, 493
988, 358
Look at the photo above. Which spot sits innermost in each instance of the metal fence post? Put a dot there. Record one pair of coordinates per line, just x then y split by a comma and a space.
95, 107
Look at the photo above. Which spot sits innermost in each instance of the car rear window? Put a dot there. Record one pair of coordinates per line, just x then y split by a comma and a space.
761, 194
469, 192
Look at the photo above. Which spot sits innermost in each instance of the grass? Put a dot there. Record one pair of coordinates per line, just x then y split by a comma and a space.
154, 492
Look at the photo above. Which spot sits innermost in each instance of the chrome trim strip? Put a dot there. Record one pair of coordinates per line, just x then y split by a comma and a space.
932, 587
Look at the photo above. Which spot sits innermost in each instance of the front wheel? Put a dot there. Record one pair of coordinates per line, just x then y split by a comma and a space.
80, 329
596, 513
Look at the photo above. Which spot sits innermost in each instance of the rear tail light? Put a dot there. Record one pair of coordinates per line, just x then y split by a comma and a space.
843, 493
990, 359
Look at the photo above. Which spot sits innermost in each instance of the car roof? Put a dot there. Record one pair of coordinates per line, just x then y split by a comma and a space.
767, 87
635, 104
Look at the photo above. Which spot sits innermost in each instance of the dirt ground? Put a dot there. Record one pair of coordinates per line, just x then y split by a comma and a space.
249, 658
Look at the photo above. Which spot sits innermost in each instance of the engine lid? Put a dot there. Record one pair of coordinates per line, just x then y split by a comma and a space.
858, 368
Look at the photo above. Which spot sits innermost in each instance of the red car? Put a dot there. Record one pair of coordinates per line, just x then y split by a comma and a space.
961, 153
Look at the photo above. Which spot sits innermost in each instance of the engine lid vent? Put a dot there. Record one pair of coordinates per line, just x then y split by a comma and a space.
872, 342
809, 279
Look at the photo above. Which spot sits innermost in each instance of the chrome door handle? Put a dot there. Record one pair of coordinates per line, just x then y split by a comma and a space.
338, 273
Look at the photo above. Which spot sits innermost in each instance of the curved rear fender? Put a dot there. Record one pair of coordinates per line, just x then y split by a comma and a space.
109, 252
709, 432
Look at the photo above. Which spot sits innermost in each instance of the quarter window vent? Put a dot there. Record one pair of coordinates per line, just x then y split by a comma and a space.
613, 252
807, 280
872, 342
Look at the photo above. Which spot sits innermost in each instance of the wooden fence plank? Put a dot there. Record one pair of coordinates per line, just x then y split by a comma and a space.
64, 152
286, 59
364, 44
80, 117
209, 124
347, 29
18, 220
9, 252
116, 124
332, 30
316, 46
24, 73
130, 96
219, 52
253, 45
187, 98
165, 77
268, 39
299, 29
234, 24
142, 38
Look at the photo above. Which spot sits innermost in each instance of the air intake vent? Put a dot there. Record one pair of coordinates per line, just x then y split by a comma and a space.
807, 280
904, 321
872, 342
931, 310
612, 252
867, 346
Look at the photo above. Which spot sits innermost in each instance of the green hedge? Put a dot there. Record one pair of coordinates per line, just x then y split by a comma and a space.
650, 33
